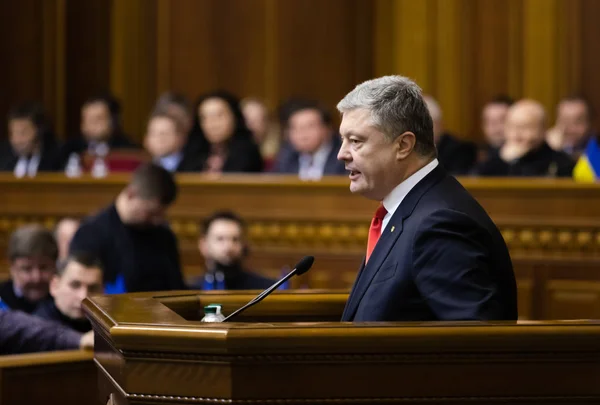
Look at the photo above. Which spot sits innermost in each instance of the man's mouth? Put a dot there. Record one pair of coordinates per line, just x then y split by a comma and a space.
354, 174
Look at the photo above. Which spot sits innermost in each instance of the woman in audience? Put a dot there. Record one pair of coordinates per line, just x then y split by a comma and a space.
224, 142
266, 133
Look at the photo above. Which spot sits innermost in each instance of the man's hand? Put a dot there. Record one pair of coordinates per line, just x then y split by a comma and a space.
87, 340
512, 151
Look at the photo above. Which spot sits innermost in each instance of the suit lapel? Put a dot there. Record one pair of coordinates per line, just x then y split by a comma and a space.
388, 239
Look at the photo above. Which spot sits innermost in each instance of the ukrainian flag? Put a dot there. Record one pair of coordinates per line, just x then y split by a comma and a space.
587, 168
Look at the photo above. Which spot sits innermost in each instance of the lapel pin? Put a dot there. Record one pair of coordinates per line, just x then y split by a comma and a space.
392, 230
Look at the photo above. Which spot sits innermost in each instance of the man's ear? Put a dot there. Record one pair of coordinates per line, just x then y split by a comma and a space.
202, 246
404, 144
54, 284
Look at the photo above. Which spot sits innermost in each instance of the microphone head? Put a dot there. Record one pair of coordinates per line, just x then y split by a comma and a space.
304, 265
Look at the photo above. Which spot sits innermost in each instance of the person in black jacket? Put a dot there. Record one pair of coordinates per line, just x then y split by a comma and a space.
24, 333
32, 253
525, 151
79, 275
31, 146
455, 155
137, 249
224, 142
100, 130
223, 245
165, 140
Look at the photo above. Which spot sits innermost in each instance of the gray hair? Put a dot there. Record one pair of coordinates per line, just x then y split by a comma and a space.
396, 105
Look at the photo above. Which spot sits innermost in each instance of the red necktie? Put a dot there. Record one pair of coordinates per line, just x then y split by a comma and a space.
375, 230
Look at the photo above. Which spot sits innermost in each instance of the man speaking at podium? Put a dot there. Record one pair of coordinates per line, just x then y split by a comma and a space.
433, 253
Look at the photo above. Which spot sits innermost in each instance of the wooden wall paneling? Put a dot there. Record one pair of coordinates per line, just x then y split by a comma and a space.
133, 62
318, 51
22, 50
163, 48
87, 53
53, 24
590, 54
383, 38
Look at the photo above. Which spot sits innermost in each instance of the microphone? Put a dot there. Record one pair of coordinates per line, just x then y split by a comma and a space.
301, 267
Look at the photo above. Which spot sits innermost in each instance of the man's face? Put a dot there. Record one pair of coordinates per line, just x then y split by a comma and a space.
31, 275
223, 243
307, 131
162, 138
143, 212
95, 122
574, 120
369, 155
493, 121
524, 128
22, 136
70, 289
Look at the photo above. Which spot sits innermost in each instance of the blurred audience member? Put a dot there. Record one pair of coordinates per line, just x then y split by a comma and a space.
165, 140
100, 129
224, 247
225, 143
312, 147
266, 133
77, 276
179, 107
23, 333
573, 128
137, 249
63, 233
525, 151
493, 118
455, 155
31, 146
32, 253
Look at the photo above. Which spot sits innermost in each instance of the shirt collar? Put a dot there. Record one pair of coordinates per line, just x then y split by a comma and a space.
392, 201
170, 162
320, 156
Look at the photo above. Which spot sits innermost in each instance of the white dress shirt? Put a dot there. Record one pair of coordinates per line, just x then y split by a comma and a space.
170, 162
392, 201
27, 166
312, 166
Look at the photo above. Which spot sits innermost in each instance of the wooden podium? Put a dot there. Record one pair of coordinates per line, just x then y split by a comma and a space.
288, 349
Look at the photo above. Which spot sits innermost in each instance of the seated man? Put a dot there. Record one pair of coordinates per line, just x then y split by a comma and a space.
525, 151
573, 129
63, 233
29, 150
131, 238
165, 140
77, 276
493, 120
25, 333
313, 144
100, 130
32, 253
455, 155
223, 246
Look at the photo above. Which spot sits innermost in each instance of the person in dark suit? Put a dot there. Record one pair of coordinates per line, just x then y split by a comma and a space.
525, 151
31, 146
312, 147
223, 246
165, 140
24, 333
493, 122
457, 156
433, 253
224, 144
77, 276
32, 253
131, 238
100, 130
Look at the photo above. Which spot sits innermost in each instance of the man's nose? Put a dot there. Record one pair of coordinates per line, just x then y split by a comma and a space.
344, 153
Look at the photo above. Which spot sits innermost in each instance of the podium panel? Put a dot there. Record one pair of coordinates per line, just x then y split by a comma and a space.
152, 349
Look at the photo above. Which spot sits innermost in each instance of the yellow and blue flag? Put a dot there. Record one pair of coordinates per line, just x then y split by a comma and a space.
587, 168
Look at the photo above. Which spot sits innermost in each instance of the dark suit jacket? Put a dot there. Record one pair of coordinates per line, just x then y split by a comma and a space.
241, 280
440, 258
49, 160
47, 310
542, 162
8, 297
24, 333
288, 160
456, 156
243, 155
